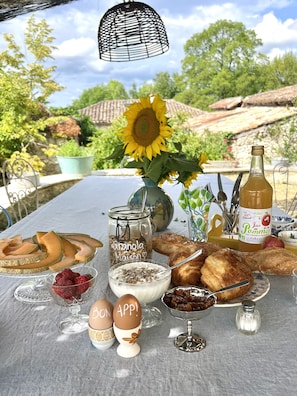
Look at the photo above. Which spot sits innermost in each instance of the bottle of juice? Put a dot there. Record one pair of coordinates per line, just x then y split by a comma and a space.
255, 205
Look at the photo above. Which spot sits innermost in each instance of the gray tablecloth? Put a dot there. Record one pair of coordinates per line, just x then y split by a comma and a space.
35, 359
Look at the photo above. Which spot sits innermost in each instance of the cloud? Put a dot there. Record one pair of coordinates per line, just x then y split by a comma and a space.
75, 28
278, 36
74, 47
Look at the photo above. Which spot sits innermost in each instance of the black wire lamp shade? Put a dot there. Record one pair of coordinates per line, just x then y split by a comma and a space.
131, 31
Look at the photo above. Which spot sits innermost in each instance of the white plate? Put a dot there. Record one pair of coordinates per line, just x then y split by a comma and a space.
280, 222
259, 290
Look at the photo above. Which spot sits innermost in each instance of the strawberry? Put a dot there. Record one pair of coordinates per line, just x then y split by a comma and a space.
67, 273
64, 292
83, 283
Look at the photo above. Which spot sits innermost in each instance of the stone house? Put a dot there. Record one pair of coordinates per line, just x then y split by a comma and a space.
105, 112
251, 120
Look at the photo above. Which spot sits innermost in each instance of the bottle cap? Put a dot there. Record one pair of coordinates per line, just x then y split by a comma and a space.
257, 150
248, 305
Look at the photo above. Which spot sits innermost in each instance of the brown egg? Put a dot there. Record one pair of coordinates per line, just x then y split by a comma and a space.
100, 315
127, 312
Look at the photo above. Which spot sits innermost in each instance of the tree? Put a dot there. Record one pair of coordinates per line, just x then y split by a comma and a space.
87, 126
104, 140
112, 90
281, 72
145, 90
26, 85
221, 62
164, 85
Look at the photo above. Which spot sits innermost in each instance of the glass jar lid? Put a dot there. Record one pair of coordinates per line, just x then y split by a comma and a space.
127, 213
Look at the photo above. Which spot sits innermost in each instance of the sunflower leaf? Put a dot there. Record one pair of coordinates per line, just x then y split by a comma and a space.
117, 153
156, 166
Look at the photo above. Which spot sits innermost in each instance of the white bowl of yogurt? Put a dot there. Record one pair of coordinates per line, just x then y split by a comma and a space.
146, 280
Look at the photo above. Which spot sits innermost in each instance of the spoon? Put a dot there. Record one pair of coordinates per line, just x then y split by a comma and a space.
144, 196
222, 196
182, 262
234, 286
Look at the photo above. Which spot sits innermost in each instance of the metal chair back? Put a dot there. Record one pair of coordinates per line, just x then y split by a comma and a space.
20, 181
5, 219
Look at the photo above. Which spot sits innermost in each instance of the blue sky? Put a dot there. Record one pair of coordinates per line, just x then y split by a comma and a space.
75, 27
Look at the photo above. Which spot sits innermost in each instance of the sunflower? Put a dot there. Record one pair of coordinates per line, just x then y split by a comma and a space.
147, 130
144, 145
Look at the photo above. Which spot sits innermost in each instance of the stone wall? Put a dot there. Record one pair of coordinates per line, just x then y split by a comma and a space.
241, 147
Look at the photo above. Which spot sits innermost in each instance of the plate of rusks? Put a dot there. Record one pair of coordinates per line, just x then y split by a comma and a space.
219, 267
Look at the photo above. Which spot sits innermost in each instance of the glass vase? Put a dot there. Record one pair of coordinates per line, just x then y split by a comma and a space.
157, 201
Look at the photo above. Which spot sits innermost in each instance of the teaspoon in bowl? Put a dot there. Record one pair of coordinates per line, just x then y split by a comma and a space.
234, 286
184, 261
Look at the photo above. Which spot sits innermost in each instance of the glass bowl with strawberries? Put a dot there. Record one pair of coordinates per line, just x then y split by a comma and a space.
71, 288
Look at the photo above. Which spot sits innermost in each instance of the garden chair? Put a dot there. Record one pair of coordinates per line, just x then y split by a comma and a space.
283, 170
20, 181
5, 219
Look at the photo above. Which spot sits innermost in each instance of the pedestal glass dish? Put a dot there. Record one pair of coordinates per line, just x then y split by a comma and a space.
146, 280
72, 297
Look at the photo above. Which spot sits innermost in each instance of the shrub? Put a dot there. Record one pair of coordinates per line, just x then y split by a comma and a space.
71, 149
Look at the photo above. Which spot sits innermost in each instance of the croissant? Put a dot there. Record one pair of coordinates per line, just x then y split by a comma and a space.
223, 268
273, 260
170, 243
188, 274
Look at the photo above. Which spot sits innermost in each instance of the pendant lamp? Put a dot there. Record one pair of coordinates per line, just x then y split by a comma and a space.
131, 31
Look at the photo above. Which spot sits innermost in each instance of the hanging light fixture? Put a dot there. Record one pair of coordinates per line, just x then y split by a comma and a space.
131, 31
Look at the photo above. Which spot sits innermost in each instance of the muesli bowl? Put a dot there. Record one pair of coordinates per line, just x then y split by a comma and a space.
147, 280
189, 303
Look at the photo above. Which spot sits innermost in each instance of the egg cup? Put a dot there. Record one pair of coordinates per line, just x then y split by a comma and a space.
102, 339
128, 341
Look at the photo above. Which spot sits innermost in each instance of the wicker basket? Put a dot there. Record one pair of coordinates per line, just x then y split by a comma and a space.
131, 31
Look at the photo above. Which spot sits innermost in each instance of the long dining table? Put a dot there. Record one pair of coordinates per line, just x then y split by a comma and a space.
36, 359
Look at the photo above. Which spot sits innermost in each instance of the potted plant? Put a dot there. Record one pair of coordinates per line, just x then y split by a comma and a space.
74, 159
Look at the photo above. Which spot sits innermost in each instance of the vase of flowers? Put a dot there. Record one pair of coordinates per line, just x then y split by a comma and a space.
157, 201
147, 143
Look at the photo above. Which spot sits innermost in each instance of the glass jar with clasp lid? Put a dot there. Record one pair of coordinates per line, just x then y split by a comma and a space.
130, 234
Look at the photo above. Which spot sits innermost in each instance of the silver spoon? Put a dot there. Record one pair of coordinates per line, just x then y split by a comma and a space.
182, 262
234, 286
222, 196
144, 196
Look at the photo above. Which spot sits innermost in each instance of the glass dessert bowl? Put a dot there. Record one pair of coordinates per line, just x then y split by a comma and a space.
146, 280
71, 288
189, 303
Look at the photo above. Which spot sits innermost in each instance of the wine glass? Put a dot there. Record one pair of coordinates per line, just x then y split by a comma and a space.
179, 301
146, 280
73, 295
